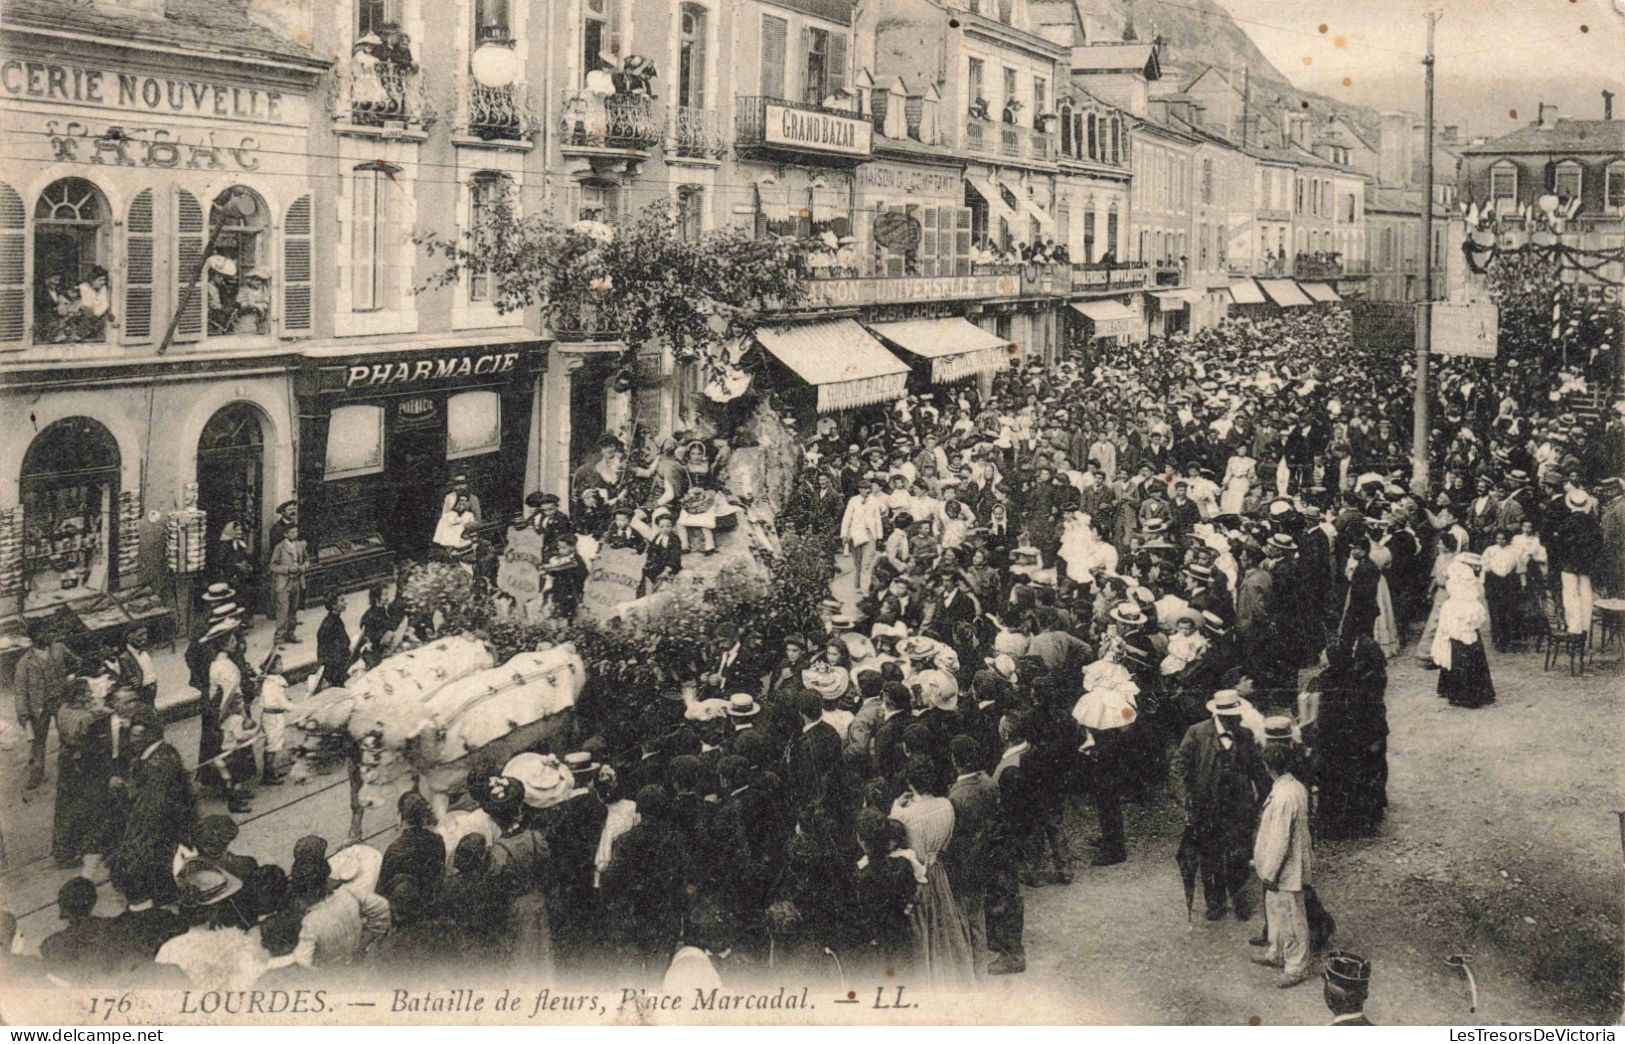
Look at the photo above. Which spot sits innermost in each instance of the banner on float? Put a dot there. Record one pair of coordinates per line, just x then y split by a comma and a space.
616, 574
520, 571
1472, 329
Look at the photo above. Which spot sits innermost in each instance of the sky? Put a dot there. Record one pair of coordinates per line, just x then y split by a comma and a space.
1496, 59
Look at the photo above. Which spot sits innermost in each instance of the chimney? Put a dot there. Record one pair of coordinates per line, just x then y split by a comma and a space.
1548, 116
1607, 105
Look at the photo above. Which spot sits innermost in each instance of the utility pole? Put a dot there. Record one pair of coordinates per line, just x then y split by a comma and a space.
1424, 324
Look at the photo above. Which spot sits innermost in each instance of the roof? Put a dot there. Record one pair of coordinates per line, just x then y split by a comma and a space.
1117, 57
1564, 136
838, 11
221, 26
1394, 200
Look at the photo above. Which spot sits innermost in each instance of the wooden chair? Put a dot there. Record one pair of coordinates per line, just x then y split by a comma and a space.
1558, 639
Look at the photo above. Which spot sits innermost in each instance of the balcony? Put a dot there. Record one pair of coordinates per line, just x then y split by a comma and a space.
1042, 145
384, 94
696, 134
775, 125
609, 129
1307, 266
498, 113
580, 322
1009, 140
978, 134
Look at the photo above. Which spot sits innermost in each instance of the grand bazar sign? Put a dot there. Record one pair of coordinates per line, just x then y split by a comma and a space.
134, 92
819, 131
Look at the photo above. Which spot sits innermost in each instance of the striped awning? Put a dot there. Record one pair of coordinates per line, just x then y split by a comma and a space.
1246, 292
1285, 293
839, 358
996, 206
1324, 293
1111, 318
957, 349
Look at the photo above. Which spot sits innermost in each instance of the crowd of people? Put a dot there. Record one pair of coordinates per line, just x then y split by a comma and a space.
1186, 565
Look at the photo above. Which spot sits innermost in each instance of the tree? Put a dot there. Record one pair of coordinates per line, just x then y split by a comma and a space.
703, 298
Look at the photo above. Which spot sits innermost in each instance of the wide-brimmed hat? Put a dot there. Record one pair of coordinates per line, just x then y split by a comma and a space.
1226, 701
938, 689
204, 882
1200, 570
1577, 500
581, 763
1278, 727
1280, 543
1213, 622
224, 611
1128, 614
1002, 664
218, 593
827, 680
743, 705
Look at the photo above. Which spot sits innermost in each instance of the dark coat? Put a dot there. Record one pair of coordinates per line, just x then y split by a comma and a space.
976, 807
815, 772
418, 854
333, 646
1221, 790
663, 557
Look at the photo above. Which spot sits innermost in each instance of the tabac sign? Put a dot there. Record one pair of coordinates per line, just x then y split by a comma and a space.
817, 131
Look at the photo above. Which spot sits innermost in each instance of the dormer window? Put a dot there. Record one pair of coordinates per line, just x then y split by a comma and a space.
1566, 180
1504, 182
1614, 197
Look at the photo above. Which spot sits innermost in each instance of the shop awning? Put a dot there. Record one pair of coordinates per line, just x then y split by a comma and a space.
1246, 292
839, 358
956, 348
1111, 318
1174, 300
1324, 293
996, 206
1029, 208
1285, 293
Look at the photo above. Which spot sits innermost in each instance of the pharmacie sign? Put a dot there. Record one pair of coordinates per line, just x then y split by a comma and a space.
819, 131
418, 371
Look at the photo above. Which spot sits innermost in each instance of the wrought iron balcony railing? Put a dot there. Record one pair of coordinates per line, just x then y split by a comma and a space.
589, 120
383, 92
499, 113
696, 134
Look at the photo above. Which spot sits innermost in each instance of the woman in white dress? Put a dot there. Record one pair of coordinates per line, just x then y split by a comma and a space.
1239, 475
1386, 630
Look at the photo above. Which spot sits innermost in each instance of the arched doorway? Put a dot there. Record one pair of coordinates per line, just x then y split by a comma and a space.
231, 476
70, 487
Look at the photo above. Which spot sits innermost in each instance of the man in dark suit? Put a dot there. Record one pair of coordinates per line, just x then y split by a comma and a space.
1315, 557
1013, 832
1183, 514
550, 522
287, 514
975, 798
814, 771
80, 953
1220, 779
137, 934
888, 742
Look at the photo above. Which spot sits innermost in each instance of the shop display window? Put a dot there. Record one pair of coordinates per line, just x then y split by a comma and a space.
473, 424
355, 442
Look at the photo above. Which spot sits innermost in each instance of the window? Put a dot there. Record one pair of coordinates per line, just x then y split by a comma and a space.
1094, 144
1504, 182
238, 272
1298, 202
1111, 230
690, 212
775, 32
1207, 181
815, 78
600, 201
378, 16
374, 238
484, 191
973, 79
691, 57
473, 424
1201, 244
1040, 97
1615, 196
1067, 137
1566, 180
491, 23
355, 442
600, 34
1089, 232
1117, 142
73, 296
1011, 97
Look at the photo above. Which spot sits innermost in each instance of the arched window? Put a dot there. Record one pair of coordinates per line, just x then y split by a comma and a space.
70, 485
1117, 141
239, 268
1065, 111
485, 190
1094, 142
73, 296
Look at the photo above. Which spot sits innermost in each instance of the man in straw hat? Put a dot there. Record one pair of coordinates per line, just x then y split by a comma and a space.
1282, 860
1220, 779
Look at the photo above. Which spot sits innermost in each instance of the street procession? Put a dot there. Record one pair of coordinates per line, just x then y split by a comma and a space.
883, 566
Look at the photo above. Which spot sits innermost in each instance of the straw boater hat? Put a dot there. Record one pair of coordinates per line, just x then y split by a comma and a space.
1128, 614
218, 593
743, 705
1226, 701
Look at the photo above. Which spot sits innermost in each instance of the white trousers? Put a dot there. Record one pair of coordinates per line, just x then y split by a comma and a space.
1289, 930
1577, 602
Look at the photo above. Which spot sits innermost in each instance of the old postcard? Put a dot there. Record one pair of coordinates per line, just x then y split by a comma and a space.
836, 512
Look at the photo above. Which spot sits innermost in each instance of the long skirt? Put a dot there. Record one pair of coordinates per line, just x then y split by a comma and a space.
1386, 630
941, 934
1467, 681
1429, 629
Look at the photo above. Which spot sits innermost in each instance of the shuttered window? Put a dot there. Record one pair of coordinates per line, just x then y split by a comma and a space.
375, 271
296, 269
13, 268
190, 281
837, 63
774, 37
138, 269
691, 61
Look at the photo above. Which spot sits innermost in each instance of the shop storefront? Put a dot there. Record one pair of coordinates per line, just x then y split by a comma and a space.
382, 435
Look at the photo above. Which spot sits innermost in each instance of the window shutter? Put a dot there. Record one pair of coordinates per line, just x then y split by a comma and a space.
391, 233
364, 285
928, 241
962, 233
572, 204
189, 241
394, 13
616, 28
774, 31
13, 268
696, 68
837, 62
138, 275
296, 274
